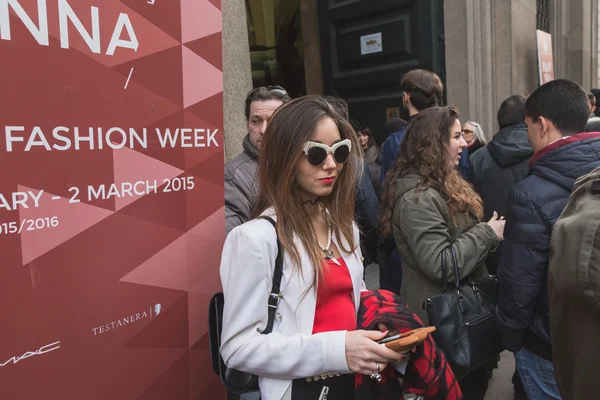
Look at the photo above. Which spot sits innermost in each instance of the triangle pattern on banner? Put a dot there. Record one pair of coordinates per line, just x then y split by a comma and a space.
209, 48
208, 109
173, 267
202, 343
201, 80
131, 167
72, 219
208, 169
159, 72
198, 314
174, 383
191, 27
216, 3
201, 365
164, 14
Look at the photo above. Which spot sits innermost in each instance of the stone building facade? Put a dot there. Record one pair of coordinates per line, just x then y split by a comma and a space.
490, 52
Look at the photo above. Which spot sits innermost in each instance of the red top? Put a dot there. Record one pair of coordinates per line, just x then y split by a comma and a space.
335, 306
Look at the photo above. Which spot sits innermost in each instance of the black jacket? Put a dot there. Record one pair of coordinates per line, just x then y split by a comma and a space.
366, 215
373, 161
533, 208
475, 147
499, 166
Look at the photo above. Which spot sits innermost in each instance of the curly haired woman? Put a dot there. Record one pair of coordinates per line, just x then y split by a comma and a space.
428, 207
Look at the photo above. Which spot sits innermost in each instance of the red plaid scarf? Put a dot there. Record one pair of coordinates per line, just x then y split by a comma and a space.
427, 374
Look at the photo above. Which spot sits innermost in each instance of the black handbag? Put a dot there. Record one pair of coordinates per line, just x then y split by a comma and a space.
465, 318
235, 381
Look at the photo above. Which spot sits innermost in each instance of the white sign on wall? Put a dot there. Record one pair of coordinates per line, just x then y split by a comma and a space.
371, 44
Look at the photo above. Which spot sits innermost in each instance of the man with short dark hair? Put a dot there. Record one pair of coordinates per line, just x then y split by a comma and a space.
555, 114
421, 89
240, 173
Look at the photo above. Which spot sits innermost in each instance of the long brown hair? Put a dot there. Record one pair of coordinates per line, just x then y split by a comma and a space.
424, 150
290, 127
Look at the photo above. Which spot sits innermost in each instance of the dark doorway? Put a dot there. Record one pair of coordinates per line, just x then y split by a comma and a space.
276, 44
368, 45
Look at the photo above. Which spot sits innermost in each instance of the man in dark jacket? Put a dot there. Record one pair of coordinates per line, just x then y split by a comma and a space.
240, 173
365, 207
556, 113
504, 162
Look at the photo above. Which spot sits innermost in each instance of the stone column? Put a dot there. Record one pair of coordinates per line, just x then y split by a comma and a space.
490, 55
559, 28
574, 28
236, 74
313, 70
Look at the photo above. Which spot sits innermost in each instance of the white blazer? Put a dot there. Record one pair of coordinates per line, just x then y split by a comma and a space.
291, 351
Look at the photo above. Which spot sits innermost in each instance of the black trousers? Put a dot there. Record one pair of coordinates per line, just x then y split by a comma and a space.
337, 388
475, 384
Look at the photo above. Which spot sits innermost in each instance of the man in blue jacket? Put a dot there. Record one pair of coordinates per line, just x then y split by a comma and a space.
421, 89
556, 114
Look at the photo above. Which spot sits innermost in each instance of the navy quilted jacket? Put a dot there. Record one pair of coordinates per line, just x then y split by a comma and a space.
533, 208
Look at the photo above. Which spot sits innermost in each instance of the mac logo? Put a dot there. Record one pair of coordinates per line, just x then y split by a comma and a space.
44, 349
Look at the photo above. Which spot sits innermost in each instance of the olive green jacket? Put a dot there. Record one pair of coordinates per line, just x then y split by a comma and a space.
574, 291
423, 229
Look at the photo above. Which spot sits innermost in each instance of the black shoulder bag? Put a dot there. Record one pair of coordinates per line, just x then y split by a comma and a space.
465, 318
235, 381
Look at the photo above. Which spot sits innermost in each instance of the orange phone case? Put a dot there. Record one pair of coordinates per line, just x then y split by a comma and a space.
410, 339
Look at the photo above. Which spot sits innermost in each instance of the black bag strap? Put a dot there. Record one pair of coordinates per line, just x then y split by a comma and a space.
456, 270
444, 271
275, 295
454, 267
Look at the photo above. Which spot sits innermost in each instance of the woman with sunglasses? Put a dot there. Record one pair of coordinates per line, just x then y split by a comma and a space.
429, 209
307, 177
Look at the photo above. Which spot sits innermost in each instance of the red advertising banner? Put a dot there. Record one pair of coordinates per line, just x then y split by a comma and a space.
545, 59
111, 197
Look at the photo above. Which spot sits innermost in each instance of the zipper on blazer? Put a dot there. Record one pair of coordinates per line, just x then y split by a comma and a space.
478, 319
324, 393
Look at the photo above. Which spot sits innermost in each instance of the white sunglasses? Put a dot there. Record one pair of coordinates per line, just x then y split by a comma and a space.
317, 152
